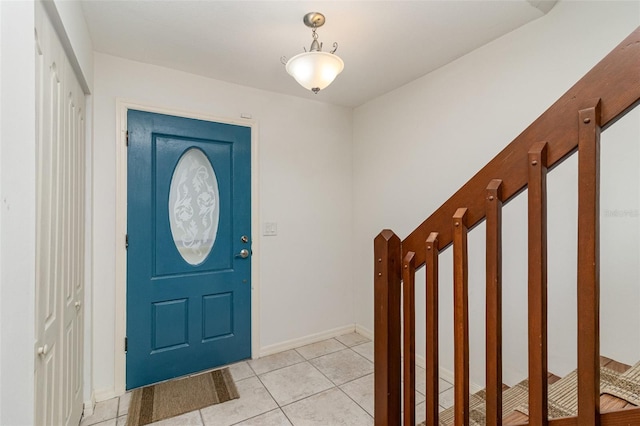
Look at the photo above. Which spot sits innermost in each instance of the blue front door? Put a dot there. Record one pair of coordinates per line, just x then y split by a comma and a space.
189, 246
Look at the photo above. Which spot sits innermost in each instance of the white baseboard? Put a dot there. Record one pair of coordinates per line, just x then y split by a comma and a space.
444, 373
306, 340
448, 376
88, 406
364, 332
104, 394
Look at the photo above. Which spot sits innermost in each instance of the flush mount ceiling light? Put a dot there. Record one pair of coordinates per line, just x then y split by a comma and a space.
315, 69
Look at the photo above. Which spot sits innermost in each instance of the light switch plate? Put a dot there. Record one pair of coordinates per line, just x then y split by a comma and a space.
270, 229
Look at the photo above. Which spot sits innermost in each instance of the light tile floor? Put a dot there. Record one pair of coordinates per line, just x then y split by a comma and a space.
325, 384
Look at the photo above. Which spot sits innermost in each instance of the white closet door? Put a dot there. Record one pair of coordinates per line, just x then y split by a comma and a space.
73, 242
60, 231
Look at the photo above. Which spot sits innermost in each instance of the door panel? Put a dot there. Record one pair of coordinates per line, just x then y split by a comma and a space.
73, 241
217, 316
48, 319
60, 202
49, 412
188, 295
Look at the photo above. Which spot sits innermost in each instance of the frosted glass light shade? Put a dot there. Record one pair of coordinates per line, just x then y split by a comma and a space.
315, 70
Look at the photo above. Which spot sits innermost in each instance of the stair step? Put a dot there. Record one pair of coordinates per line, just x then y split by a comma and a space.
515, 417
607, 402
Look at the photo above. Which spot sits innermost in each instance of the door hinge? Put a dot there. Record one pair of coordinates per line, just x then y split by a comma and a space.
126, 344
126, 241
127, 138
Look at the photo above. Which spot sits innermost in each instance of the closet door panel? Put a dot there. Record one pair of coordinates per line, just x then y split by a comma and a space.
59, 231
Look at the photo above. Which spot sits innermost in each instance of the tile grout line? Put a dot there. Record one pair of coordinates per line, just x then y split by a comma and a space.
328, 353
335, 386
308, 396
201, 417
353, 380
104, 420
308, 361
338, 387
280, 407
304, 359
279, 368
355, 402
320, 371
268, 391
257, 415
356, 378
287, 417
360, 355
250, 367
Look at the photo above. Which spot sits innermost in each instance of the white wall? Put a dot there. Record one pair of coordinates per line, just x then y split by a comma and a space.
305, 186
415, 146
17, 212
1, 215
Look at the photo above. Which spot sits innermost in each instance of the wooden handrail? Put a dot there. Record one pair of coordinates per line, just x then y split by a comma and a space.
601, 97
615, 80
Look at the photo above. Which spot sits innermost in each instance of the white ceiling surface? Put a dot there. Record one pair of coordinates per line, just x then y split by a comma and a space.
384, 44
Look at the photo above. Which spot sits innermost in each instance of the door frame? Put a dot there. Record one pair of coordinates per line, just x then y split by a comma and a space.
122, 107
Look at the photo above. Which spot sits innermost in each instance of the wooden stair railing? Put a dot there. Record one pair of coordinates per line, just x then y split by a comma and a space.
574, 122
493, 207
537, 287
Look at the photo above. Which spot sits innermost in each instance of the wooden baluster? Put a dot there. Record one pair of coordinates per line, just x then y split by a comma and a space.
409, 310
432, 405
588, 266
537, 192
460, 318
494, 303
387, 286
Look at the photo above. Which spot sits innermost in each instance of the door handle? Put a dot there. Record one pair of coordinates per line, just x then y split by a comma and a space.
43, 350
244, 253
78, 305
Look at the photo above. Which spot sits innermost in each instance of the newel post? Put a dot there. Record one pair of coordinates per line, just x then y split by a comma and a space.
387, 289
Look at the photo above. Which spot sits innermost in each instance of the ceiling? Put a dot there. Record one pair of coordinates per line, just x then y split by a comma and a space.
384, 44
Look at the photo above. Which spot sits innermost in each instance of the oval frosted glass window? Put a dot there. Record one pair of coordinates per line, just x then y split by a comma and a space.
193, 206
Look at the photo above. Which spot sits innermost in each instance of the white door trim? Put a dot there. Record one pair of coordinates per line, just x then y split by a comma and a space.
122, 106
